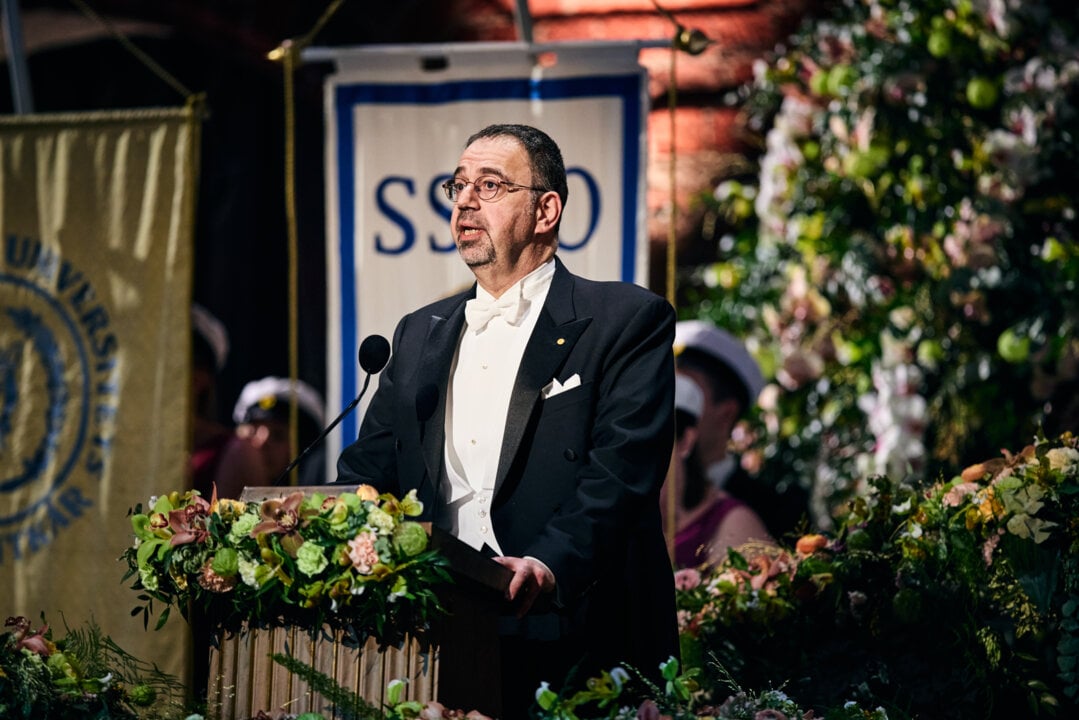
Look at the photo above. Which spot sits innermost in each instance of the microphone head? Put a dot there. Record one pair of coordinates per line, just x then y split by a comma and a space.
374, 353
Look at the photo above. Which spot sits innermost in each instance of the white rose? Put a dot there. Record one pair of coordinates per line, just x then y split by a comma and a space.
1061, 458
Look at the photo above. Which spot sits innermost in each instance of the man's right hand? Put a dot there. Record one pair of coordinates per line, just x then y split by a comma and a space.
530, 578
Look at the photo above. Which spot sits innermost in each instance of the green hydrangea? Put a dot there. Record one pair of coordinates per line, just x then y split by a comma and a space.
410, 538
242, 527
311, 559
226, 562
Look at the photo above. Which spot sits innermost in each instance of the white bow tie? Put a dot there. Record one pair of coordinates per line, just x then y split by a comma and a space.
479, 311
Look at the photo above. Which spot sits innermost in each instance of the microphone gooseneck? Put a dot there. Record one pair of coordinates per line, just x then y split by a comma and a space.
373, 355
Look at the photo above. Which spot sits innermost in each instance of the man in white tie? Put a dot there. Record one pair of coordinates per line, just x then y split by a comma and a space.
533, 414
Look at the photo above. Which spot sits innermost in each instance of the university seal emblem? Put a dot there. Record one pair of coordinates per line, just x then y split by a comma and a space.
57, 394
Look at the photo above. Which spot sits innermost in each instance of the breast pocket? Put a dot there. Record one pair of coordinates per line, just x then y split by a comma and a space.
574, 397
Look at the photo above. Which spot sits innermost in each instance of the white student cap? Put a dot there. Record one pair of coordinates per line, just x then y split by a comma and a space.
688, 396
269, 397
704, 337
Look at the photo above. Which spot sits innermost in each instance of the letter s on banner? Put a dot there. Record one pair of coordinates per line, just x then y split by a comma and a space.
407, 229
438, 204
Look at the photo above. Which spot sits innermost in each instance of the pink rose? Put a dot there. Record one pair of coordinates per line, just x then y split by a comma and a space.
955, 496
687, 579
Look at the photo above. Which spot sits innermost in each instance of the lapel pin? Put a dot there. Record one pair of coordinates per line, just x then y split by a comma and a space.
560, 341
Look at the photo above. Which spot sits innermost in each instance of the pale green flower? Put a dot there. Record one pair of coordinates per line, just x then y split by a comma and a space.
380, 520
1062, 458
226, 562
1030, 528
338, 517
242, 527
311, 559
411, 505
248, 569
148, 578
338, 512
1024, 500
410, 538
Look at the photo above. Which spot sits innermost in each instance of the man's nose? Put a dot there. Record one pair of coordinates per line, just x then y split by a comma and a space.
467, 195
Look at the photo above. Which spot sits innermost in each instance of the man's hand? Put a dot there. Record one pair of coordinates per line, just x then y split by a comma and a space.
530, 578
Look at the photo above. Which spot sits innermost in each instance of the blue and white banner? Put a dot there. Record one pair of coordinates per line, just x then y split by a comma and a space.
398, 119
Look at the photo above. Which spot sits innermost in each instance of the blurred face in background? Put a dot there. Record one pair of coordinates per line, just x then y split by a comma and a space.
717, 420
271, 439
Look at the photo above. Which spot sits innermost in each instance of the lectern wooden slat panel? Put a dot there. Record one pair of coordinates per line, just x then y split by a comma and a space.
243, 679
461, 670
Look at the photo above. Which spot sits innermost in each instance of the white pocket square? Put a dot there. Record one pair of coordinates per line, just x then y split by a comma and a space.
554, 387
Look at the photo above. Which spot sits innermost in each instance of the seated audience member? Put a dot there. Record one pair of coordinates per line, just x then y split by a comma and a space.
731, 381
707, 519
261, 450
209, 353
210, 438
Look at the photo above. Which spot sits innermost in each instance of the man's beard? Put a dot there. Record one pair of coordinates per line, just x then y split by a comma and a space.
477, 254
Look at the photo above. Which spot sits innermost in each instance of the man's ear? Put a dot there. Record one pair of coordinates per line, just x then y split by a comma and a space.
548, 211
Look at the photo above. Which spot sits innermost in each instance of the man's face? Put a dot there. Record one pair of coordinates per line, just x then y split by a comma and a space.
494, 233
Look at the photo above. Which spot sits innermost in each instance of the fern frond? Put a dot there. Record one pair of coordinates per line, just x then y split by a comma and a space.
347, 704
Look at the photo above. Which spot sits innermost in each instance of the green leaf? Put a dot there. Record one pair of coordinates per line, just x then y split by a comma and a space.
164, 617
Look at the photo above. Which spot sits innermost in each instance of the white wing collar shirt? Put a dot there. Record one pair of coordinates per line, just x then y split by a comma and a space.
484, 370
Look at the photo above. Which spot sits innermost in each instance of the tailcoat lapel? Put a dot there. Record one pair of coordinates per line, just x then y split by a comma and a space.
557, 331
432, 382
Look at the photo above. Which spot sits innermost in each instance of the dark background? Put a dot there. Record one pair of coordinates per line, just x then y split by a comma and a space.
220, 47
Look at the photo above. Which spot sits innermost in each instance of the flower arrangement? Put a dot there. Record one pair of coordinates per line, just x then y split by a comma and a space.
614, 695
967, 590
618, 695
82, 676
904, 263
353, 562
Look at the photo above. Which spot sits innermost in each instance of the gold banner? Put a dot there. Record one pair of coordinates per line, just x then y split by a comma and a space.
96, 224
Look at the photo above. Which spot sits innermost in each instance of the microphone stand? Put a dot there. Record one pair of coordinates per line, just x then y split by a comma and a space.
324, 433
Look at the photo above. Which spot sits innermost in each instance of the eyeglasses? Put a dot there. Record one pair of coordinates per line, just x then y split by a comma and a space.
487, 187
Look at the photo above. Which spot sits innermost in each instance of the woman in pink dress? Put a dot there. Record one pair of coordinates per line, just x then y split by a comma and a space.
707, 519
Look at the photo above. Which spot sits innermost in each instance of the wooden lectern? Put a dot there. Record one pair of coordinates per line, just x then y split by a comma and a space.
460, 669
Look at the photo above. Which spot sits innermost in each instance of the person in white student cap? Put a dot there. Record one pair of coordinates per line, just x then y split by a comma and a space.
731, 381
707, 519
262, 451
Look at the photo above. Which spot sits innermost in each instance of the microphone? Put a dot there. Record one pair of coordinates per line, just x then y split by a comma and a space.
373, 355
